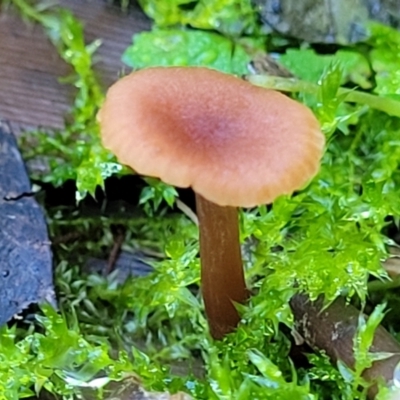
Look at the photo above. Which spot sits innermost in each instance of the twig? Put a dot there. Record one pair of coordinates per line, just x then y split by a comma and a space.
68, 237
119, 237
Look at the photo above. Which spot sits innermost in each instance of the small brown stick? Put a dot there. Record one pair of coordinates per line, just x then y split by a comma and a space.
333, 329
68, 237
119, 237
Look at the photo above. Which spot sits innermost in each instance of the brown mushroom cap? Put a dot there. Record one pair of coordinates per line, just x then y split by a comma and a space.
234, 143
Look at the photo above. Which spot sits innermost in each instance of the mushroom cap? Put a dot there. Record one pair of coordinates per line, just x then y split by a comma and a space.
232, 142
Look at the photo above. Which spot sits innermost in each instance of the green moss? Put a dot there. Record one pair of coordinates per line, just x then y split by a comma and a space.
329, 238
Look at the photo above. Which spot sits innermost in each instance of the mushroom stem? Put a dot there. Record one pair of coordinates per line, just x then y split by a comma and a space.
222, 274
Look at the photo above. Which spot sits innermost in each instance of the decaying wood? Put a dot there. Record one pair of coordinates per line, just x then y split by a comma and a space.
30, 92
26, 273
333, 329
130, 389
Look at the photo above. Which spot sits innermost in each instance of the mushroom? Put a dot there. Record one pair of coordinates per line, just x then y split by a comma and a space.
234, 144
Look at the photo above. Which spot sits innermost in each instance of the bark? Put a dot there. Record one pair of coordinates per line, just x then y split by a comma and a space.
333, 329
